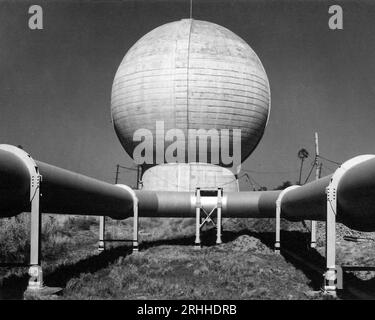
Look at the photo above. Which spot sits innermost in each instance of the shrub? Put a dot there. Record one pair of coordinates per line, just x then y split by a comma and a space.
15, 239
79, 223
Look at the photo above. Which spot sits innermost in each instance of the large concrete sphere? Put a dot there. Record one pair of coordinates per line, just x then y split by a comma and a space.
192, 75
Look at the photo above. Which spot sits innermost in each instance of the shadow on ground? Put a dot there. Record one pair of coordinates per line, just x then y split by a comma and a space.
13, 286
311, 262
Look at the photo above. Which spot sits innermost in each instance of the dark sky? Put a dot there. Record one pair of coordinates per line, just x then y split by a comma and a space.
55, 83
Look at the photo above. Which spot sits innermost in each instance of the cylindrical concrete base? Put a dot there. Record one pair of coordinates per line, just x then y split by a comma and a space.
188, 177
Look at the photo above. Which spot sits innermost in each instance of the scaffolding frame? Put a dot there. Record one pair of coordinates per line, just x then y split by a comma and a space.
134, 240
208, 214
277, 245
333, 277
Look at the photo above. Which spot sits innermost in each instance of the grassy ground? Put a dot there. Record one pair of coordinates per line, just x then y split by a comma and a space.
168, 266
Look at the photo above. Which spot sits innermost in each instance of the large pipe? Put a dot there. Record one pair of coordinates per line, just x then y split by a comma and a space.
307, 202
66, 192
168, 204
14, 185
62, 191
355, 198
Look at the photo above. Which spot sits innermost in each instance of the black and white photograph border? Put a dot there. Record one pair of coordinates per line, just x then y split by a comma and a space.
142, 159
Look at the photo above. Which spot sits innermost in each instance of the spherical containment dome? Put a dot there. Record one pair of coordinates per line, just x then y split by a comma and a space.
186, 76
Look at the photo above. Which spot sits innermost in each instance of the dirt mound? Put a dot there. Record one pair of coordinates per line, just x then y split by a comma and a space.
247, 243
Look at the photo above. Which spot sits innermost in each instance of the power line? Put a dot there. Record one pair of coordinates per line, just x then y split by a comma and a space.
128, 168
252, 180
329, 170
312, 168
329, 160
248, 179
270, 172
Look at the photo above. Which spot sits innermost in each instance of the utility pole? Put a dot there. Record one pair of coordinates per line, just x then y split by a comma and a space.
317, 162
317, 176
139, 176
